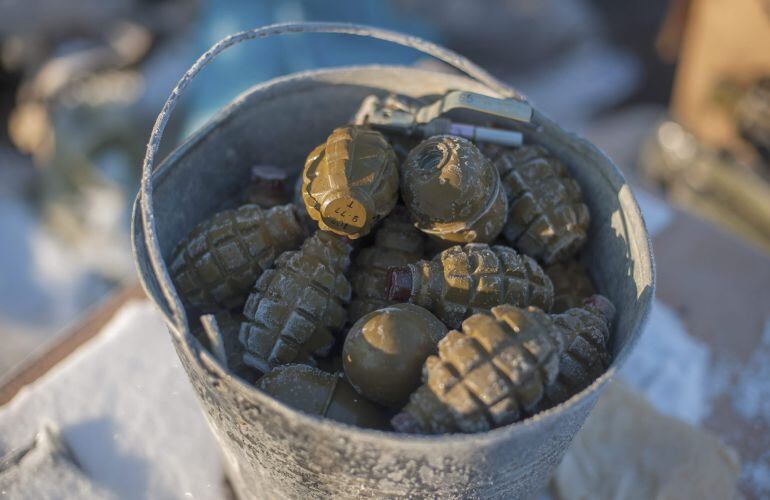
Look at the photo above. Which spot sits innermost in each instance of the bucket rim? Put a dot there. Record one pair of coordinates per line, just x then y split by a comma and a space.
199, 355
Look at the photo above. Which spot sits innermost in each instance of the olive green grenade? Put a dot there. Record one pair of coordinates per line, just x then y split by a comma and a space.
493, 373
571, 284
269, 186
350, 181
384, 351
396, 243
452, 191
214, 267
324, 394
298, 306
586, 334
464, 280
547, 218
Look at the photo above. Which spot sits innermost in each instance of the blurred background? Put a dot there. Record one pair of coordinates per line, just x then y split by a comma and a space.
81, 83
677, 92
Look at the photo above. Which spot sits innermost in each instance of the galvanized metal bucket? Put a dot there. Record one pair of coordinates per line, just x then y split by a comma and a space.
273, 451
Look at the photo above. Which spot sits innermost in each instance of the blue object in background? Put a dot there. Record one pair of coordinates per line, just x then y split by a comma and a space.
248, 64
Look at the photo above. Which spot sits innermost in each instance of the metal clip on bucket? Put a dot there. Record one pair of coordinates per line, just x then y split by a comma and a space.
274, 451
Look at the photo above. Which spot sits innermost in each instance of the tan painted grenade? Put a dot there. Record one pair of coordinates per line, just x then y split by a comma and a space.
384, 351
464, 280
316, 392
492, 373
396, 243
586, 333
297, 307
269, 186
452, 191
214, 267
571, 284
351, 181
547, 218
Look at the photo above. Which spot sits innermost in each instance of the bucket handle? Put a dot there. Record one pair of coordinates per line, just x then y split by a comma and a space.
145, 192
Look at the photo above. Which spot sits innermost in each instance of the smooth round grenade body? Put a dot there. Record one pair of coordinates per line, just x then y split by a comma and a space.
452, 191
350, 181
385, 350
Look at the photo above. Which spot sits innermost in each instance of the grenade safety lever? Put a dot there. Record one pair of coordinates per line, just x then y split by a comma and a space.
394, 115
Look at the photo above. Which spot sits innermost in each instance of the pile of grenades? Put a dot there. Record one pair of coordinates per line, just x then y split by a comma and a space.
425, 278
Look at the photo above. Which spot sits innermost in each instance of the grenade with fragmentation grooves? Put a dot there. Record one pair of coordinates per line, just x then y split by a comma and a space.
492, 373
586, 334
463, 280
396, 243
452, 191
350, 181
217, 263
547, 218
297, 307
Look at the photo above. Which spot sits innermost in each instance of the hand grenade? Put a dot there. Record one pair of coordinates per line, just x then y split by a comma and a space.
396, 243
269, 186
547, 218
571, 284
586, 334
298, 306
350, 181
216, 264
464, 280
452, 191
324, 394
384, 351
493, 373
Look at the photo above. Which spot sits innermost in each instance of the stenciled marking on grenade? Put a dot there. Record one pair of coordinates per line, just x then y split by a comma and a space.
463, 280
384, 351
586, 333
268, 186
396, 243
351, 181
297, 307
316, 392
214, 267
547, 218
571, 284
452, 191
492, 373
